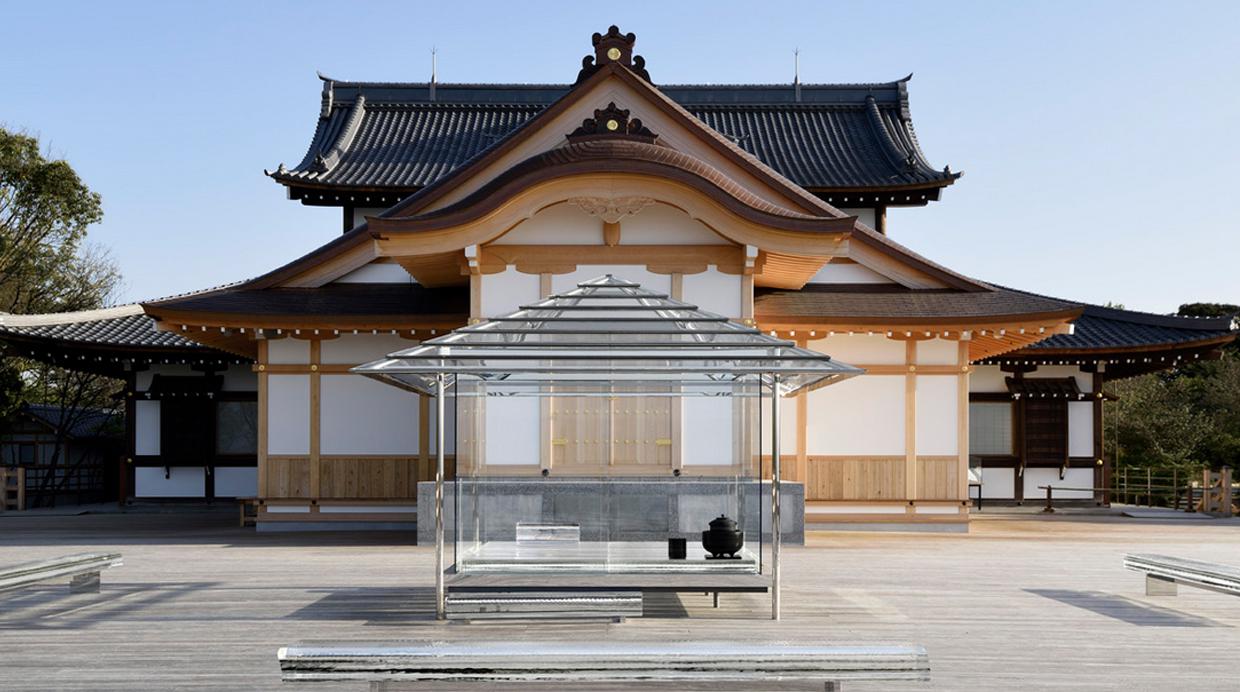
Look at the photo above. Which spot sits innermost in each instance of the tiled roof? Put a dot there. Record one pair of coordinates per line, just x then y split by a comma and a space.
1100, 329
394, 137
369, 299
882, 302
90, 422
126, 325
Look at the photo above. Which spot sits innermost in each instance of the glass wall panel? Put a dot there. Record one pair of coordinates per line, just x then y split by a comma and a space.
596, 477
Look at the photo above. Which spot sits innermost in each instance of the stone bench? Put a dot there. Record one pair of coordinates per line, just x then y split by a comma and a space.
82, 570
1163, 572
586, 662
540, 605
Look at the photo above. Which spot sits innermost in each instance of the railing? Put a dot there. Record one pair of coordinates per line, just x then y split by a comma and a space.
1190, 494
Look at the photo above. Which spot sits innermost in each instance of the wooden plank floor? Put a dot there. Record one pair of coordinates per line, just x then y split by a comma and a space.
1019, 603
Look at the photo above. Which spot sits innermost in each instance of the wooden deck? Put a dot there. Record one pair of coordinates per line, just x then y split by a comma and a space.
1019, 603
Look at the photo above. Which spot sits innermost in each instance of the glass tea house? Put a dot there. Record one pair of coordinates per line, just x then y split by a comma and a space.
598, 426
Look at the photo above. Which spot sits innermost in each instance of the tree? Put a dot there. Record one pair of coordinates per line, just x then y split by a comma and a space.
46, 266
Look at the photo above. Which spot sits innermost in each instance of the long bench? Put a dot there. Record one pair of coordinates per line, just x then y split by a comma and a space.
82, 570
1163, 572
538, 605
587, 662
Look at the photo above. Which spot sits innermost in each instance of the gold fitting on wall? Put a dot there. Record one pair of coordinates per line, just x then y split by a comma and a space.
314, 368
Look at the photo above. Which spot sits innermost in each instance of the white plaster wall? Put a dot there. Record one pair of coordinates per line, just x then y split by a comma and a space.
861, 349
288, 414
358, 415
661, 224
628, 272
936, 415
787, 425
146, 427
1080, 429
561, 224
507, 291
360, 213
1074, 478
1084, 380
863, 416
936, 352
714, 291
355, 349
707, 435
512, 426
998, 484
183, 481
865, 216
236, 481
288, 351
988, 379
848, 273
377, 273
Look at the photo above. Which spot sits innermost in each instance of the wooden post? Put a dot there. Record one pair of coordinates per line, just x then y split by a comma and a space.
1149, 497
1050, 507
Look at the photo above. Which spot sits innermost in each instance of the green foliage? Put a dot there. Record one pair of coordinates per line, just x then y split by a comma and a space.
45, 264
1185, 419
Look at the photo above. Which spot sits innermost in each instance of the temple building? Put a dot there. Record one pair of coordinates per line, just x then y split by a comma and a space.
765, 204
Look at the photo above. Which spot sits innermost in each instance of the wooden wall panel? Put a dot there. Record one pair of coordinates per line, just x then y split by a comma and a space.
855, 478
376, 477
287, 477
938, 478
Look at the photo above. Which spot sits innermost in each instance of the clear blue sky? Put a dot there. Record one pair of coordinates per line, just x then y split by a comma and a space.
1097, 138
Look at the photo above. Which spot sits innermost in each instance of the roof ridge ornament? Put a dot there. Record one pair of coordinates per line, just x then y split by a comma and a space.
612, 47
612, 121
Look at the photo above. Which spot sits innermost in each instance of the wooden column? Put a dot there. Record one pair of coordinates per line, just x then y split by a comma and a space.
678, 286
962, 417
316, 405
910, 420
1102, 470
262, 418
802, 464
424, 436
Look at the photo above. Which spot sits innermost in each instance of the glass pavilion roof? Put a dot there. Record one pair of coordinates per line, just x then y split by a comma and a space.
609, 332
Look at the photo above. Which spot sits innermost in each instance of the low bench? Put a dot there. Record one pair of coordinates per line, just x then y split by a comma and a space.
538, 605
82, 569
1163, 572
586, 662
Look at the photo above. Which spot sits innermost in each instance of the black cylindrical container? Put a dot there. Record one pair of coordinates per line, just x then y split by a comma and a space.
676, 549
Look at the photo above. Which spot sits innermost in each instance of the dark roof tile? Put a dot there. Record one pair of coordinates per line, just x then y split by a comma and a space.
837, 137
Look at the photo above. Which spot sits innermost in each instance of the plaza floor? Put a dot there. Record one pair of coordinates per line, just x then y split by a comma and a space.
1020, 602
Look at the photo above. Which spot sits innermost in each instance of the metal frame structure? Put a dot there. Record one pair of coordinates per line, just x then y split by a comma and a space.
609, 331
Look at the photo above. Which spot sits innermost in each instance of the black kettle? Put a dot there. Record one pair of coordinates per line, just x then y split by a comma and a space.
723, 539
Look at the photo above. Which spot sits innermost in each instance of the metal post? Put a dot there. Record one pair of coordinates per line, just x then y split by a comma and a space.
775, 537
440, 613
